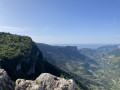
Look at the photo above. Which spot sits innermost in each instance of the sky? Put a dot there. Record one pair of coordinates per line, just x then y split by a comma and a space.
63, 21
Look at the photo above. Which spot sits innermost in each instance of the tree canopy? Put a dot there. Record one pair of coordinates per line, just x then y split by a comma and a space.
12, 46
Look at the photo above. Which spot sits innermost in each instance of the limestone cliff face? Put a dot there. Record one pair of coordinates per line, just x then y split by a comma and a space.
5, 82
25, 67
46, 81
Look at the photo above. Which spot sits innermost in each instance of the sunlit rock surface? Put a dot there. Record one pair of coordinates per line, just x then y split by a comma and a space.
46, 81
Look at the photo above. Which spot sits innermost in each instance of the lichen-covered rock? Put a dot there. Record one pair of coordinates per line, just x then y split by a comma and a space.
50, 82
5, 82
22, 84
46, 81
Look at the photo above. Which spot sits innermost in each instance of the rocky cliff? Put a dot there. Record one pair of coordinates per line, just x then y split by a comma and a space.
45, 81
5, 82
21, 58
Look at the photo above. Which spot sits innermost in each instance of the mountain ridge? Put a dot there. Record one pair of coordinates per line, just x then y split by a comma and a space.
21, 58
69, 59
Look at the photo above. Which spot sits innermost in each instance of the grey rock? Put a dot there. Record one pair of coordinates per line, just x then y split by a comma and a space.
46, 81
5, 82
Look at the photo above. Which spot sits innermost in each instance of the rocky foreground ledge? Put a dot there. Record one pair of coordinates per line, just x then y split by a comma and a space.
45, 81
5, 82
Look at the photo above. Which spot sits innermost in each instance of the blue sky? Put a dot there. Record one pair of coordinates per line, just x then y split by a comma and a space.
63, 21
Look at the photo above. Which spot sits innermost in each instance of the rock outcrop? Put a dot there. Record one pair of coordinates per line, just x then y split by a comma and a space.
5, 82
46, 81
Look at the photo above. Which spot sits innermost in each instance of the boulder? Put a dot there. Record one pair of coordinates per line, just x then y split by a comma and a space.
46, 81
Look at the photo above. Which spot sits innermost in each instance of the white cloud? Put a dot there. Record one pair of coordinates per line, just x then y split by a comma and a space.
11, 29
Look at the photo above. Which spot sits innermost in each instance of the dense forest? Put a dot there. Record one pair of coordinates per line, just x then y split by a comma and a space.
13, 46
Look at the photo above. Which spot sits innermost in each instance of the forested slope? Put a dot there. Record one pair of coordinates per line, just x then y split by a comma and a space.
21, 58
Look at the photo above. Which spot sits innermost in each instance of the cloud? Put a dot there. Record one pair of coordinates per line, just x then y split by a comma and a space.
11, 29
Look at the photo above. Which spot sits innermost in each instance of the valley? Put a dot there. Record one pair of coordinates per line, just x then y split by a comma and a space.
21, 58
59, 45
98, 68
108, 59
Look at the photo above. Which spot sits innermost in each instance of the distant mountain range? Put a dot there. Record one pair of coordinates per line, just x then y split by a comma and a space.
80, 46
69, 59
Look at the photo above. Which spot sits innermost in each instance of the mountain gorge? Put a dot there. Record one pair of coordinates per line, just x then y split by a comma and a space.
21, 58
72, 61
97, 68
25, 61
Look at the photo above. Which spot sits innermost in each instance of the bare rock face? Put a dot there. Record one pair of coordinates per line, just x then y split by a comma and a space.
5, 82
22, 84
46, 81
50, 82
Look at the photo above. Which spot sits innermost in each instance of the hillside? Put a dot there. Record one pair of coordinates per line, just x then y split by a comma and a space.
69, 59
21, 58
109, 59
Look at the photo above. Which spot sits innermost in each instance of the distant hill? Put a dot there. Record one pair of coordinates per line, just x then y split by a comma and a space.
61, 54
71, 60
80, 46
106, 49
108, 58
103, 49
86, 51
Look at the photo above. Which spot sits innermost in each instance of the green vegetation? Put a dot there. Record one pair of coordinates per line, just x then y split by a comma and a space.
21, 58
14, 45
69, 59
109, 59
14, 49
96, 68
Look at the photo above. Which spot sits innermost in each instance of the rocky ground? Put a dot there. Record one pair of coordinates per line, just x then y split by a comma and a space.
45, 81
5, 82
